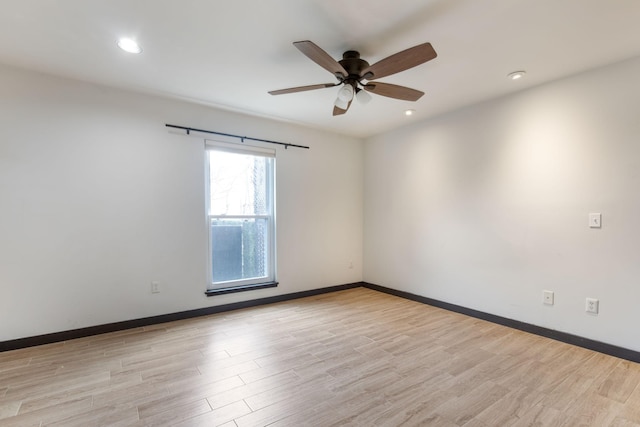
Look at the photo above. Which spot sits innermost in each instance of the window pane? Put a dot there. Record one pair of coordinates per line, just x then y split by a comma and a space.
239, 249
241, 217
238, 184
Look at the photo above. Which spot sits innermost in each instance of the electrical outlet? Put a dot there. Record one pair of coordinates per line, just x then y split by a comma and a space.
155, 287
547, 297
592, 306
595, 220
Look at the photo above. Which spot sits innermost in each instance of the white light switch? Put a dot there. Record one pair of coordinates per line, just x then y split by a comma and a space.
595, 220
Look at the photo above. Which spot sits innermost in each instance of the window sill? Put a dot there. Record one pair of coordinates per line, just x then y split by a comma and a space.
234, 289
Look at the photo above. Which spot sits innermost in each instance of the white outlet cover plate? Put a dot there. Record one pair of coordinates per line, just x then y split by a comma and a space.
547, 297
592, 305
595, 220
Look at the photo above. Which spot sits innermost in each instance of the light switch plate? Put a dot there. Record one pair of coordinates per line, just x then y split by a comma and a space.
595, 220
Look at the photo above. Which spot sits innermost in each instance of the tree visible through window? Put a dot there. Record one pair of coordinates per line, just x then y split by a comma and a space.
241, 215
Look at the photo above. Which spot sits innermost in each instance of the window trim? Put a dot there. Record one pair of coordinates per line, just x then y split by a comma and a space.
233, 289
256, 282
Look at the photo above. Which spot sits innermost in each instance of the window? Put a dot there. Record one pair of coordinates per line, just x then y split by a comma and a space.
241, 216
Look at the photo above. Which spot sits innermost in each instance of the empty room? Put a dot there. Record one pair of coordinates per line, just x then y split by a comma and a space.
319, 213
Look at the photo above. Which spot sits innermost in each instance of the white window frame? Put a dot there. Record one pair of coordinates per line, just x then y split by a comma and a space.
270, 277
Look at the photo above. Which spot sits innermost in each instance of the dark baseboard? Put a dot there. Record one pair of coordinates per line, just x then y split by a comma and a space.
598, 346
147, 321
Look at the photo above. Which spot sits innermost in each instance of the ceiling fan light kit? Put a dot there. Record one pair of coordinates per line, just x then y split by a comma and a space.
355, 74
341, 104
363, 96
346, 93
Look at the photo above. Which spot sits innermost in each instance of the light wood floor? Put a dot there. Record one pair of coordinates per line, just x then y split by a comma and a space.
350, 358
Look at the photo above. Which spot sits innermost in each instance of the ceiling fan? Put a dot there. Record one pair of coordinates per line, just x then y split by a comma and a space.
356, 74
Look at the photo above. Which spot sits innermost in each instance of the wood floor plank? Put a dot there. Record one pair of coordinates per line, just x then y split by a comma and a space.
172, 411
510, 408
356, 409
175, 403
463, 409
414, 401
630, 411
621, 382
350, 358
130, 396
26, 375
53, 385
594, 409
540, 415
50, 414
285, 392
266, 385
114, 416
222, 416
114, 384
9, 365
204, 385
623, 422
9, 409
565, 394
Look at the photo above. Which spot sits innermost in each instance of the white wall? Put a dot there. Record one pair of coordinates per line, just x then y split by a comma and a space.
98, 199
487, 206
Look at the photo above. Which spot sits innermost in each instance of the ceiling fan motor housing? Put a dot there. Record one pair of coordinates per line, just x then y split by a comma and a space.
353, 65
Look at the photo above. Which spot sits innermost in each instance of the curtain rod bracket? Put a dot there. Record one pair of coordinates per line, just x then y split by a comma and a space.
242, 138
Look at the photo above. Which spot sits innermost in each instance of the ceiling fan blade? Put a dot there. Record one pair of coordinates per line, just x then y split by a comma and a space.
393, 91
400, 61
339, 111
302, 88
320, 57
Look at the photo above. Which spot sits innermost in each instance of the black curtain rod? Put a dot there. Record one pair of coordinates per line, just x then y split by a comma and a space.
242, 138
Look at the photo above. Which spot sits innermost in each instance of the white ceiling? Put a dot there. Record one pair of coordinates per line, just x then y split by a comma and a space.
229, 53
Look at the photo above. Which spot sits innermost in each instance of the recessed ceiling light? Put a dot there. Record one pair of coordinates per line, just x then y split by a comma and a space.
409, 112
129, 45
516, 75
